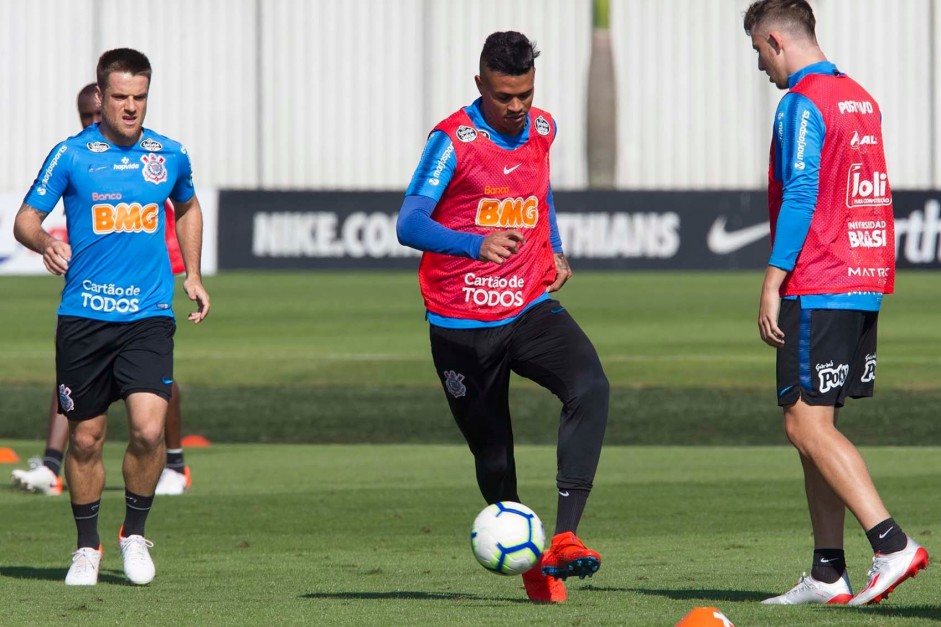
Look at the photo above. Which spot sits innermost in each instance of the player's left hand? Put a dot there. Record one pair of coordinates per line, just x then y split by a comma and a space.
196, 292
563, 272
768, 329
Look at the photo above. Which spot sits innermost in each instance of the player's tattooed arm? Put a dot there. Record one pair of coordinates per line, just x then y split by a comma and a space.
563, 272
28, 231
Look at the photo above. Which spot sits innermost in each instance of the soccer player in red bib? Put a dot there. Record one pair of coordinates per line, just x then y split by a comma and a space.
832, 260
480, 206
43, 476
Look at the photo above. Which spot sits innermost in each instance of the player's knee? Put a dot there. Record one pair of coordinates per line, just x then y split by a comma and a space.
591, 387
86, 443
147, 437
493, 467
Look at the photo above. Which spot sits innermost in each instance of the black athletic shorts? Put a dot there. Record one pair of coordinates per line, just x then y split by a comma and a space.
828, 354
100, 362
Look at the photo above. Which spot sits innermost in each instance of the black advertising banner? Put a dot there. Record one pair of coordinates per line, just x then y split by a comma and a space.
684, 230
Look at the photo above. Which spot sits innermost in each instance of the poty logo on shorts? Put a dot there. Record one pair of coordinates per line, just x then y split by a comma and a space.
869, 372
453, 382
65, 398
154, 170
832, 377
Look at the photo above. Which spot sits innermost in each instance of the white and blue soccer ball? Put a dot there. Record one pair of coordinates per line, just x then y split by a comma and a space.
507, 538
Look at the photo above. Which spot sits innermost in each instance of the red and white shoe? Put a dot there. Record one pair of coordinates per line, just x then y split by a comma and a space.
891, 569
809, 590
543, 588
38, 479
567, 556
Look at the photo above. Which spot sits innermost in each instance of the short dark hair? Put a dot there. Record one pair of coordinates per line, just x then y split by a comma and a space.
123, 60
87, 90
508, 52
794, 15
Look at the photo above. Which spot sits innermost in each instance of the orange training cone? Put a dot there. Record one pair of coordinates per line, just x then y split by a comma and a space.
8, 456
195, 441
705, 617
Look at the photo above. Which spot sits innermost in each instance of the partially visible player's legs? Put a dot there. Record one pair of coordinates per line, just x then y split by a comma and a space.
143, 463
85, 473
550, 348
175, 478
43, 474
831, 461
473, 369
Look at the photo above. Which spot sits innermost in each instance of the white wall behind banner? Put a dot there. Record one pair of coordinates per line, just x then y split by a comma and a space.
695, 112
15, 259
322, 94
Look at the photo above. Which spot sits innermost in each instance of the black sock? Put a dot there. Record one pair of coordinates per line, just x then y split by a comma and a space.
52, 459
175, 460
829, 565
135, 514
86, 521
887, 537
569, 513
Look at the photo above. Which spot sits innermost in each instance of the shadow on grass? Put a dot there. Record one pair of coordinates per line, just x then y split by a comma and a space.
932, 612
58, 574
410, 595
693, 593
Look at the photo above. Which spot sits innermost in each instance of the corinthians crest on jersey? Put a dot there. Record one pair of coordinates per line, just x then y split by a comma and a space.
154, 170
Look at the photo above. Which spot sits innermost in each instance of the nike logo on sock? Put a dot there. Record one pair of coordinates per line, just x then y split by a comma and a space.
563, 493
832, 559
883, 535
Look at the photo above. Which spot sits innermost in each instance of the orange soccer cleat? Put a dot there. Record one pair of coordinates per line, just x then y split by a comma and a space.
542, 588
568, 556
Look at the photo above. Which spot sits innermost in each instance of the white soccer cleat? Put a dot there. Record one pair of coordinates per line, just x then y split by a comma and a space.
890, 570
138, 566
173, 483
37, 479
84, 568
809, 590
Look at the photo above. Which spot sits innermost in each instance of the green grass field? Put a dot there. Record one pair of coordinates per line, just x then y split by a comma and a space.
338, 490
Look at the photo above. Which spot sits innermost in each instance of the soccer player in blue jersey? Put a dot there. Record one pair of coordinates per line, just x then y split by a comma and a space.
832, 260
481, 208
114, 337
43, 474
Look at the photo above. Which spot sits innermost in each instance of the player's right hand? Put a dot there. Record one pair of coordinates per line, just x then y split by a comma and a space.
500, 245
56, 257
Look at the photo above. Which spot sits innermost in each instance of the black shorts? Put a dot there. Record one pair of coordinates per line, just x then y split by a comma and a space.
100, 362
828, 354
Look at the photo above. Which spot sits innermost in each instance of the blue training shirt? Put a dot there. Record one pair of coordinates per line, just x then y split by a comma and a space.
799, 126
114, 207
415, 227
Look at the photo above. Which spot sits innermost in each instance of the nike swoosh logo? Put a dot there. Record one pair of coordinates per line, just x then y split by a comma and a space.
832, 559
883, 535
96, 168
563, 492
507, 170
723, 242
